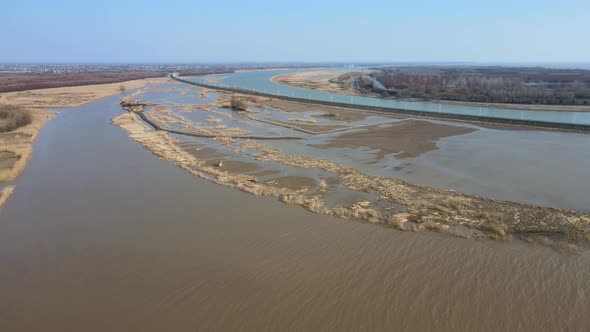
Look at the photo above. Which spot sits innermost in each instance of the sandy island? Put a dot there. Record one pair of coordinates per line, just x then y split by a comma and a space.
395, 202
314, 80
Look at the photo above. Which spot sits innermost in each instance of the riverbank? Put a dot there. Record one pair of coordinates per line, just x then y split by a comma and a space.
5, 195
16, 145
72, 96
324, 81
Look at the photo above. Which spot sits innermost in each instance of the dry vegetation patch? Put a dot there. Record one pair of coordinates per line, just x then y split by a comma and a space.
16, 145
13, 117
238, 103
5, 195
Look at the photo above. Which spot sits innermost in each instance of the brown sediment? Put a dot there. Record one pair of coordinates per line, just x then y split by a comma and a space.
406, 139
203, 152
264, 173
233, 166
292, 182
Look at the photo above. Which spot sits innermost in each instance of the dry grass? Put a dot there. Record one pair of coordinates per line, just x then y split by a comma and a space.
23, 154
314, 203
323, 185
302, 120
358, 211
13, 117
5, 195
238, 104
456, 203
399, 220
496, 229
71, 96
20, 145
489, 217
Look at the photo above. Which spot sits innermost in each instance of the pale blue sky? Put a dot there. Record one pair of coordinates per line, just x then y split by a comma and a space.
264, 30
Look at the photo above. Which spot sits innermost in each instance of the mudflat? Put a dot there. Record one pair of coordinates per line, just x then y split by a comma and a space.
405, 139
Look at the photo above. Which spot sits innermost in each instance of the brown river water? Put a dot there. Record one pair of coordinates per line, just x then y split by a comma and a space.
100, 235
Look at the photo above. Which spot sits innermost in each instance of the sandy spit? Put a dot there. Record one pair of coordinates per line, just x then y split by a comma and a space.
5, 195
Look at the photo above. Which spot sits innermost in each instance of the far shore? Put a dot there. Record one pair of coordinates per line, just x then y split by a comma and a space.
320, 80
72, 96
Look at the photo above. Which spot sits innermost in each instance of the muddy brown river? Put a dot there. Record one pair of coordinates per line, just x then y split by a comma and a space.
100, 235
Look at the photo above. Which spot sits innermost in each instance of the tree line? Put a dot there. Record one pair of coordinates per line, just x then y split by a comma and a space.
489, 84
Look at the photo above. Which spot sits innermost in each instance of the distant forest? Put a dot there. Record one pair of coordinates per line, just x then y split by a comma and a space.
29, 81
488, 84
